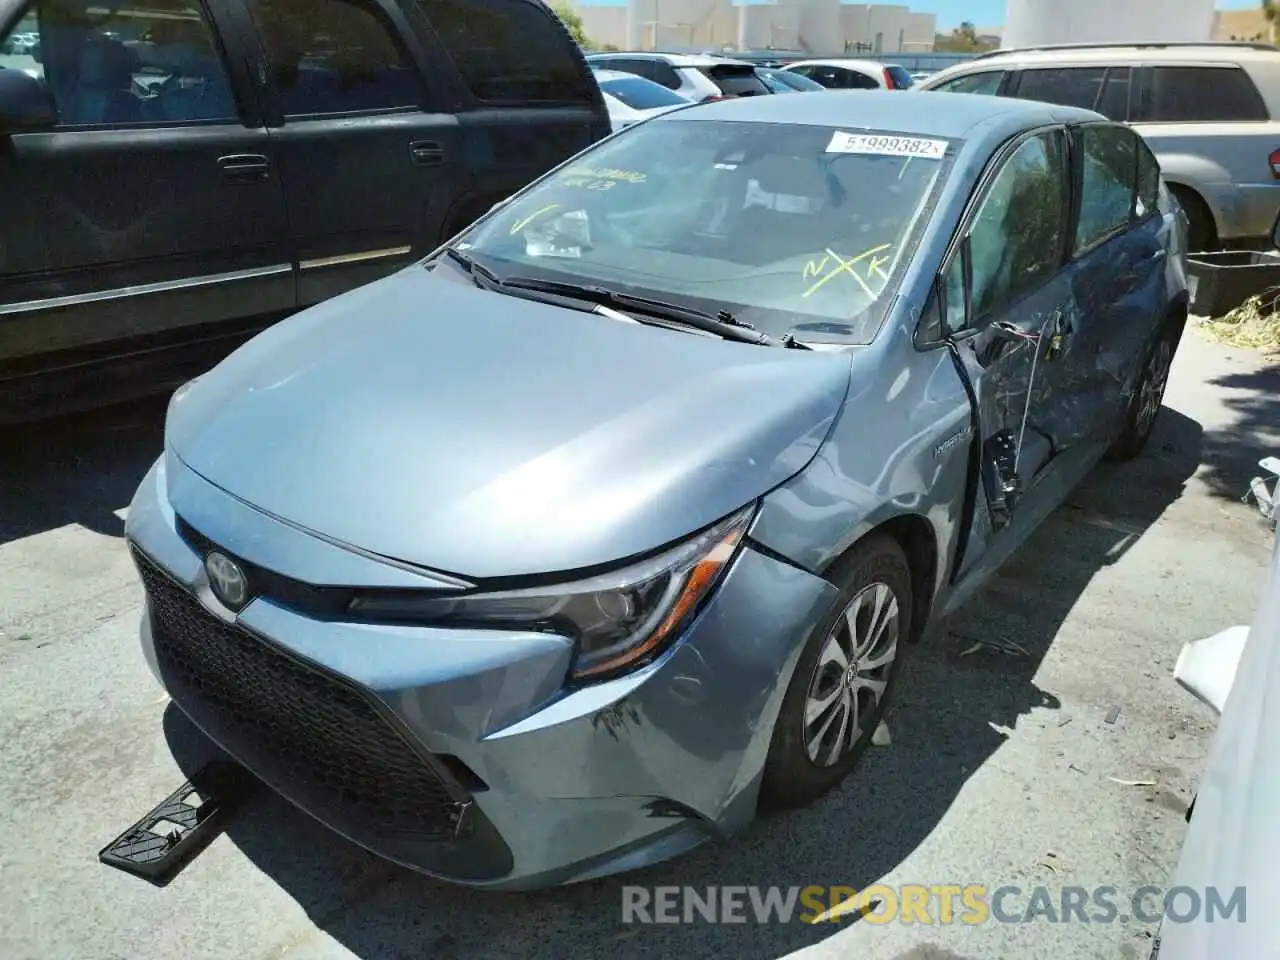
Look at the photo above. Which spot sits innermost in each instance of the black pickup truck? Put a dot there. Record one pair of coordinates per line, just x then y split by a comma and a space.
175, 175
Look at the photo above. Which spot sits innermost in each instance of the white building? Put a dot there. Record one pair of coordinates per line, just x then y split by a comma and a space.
818, 27
1029, 23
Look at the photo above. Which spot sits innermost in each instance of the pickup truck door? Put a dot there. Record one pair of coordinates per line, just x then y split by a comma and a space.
366, 155
152, 211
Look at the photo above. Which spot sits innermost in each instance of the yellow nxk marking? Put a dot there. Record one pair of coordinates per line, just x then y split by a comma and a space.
846, 266
876, 264
814, 268
521, 224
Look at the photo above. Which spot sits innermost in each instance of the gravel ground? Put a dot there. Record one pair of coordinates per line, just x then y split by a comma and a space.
999, 771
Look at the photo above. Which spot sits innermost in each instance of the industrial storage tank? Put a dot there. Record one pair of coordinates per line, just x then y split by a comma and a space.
1029, 23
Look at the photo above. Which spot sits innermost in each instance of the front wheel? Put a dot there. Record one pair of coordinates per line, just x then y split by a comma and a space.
842, 683
1148, 397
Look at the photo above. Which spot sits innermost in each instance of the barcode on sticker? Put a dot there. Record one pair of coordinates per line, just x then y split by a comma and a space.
887, 146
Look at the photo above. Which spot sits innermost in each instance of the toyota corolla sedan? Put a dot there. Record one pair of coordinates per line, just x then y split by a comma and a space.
564, 550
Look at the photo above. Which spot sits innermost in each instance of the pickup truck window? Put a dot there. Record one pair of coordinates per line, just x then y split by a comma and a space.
335, 56
510, 50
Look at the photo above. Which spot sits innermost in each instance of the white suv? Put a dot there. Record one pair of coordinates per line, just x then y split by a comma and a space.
694, 77
1209, 111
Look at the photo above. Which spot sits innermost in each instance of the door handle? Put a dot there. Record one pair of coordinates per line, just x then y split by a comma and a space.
426, 153
244, 167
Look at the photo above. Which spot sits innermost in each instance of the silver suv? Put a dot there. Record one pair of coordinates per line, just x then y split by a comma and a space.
1210, 112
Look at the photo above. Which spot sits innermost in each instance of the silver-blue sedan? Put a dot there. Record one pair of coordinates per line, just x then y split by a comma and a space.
562, 551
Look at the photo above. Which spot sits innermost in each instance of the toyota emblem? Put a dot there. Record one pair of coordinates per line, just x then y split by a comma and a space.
227, 580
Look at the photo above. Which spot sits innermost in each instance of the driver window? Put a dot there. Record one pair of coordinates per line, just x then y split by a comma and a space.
136, 63
1016, 239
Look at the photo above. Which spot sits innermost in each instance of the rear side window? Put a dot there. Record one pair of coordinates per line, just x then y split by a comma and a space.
901, 79
1114, 102
987, 82
1148, 181
1202, 95
664, 73
735, 81
1070, 87
335, 56
1110, 161
510, 50
838, 78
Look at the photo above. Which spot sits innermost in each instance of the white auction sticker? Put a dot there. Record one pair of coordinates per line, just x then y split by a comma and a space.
883, 146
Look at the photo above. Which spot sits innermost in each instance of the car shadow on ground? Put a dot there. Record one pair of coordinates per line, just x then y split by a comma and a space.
1231, 456
962, 687
77, 469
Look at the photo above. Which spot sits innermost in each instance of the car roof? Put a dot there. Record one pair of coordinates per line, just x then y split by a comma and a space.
1225, 52
950, 115
843, 62
675, 59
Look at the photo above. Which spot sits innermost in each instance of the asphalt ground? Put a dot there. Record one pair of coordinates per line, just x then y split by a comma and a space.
1039, 742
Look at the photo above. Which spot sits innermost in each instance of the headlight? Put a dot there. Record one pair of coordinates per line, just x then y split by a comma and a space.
619, 620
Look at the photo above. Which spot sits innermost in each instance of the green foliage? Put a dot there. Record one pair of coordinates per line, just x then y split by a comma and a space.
963, 39
572, 22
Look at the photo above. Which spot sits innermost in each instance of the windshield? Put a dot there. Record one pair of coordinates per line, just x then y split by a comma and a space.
793, 228
641, 94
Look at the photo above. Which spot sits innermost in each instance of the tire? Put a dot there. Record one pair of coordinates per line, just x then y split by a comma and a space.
1143, 410
1202, 232
874, 569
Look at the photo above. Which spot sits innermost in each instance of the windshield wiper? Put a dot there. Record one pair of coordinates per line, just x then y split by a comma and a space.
724, 325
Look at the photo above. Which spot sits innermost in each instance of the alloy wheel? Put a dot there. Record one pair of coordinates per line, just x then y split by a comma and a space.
851, 675
1154, 380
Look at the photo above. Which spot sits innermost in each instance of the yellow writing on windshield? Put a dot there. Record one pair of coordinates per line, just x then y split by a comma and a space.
833, 264
610, 173
523, 222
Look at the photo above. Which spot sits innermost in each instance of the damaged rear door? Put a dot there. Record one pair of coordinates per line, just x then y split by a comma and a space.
1006, 300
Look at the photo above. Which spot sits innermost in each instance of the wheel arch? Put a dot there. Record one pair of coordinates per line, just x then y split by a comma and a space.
915, 536
1190, 196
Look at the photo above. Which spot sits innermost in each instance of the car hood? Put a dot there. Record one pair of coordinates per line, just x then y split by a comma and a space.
428, 421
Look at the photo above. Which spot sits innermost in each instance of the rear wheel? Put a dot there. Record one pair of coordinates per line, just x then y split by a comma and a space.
842, 684
1148, 397
1202, 233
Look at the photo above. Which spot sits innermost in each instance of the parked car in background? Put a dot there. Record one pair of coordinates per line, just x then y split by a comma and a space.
176, 175
559, 553
695, 77
763, 58
1210, 111
853, 74
787, 81
631, 99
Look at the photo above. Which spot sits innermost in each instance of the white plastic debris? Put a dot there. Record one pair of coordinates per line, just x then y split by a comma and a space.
1207, 668
881, 737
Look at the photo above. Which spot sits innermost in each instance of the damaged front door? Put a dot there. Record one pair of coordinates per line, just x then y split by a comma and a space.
1007, 307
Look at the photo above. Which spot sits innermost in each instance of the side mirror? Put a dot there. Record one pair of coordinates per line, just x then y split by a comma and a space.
25, 104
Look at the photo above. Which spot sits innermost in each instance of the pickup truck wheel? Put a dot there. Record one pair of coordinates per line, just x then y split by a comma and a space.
844, 678
1148, 397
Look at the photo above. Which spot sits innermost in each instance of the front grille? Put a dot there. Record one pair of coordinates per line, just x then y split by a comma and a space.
310, 734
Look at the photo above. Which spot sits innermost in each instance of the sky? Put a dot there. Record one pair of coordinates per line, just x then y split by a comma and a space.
981, 13
990, 13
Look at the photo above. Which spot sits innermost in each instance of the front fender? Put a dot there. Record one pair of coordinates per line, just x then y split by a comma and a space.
900, 446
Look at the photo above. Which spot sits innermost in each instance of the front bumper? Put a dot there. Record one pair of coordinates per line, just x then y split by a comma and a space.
462, 754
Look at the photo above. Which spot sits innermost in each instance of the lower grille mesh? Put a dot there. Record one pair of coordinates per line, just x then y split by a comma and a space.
311, 735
